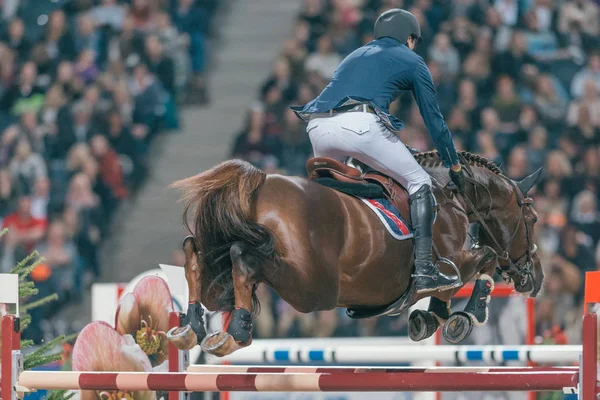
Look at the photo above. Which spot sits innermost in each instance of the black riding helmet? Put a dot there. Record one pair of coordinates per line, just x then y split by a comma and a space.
398, 24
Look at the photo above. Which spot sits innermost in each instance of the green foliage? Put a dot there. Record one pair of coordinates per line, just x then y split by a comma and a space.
43, 355
60, 395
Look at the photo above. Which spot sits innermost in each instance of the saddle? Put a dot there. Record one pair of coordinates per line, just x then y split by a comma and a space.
358, 180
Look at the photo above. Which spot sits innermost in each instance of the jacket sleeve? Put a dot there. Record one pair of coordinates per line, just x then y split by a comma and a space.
424, 92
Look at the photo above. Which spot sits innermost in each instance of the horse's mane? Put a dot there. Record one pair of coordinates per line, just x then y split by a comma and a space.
433, 159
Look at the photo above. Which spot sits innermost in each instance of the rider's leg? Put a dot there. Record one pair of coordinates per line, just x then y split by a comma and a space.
364, 137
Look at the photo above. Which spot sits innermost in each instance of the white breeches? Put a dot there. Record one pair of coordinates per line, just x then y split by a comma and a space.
364, 137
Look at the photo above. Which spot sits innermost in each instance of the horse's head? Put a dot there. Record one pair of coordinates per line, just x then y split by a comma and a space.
513, 229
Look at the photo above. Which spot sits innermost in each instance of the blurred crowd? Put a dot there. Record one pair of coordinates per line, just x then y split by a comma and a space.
85, 86
518, 82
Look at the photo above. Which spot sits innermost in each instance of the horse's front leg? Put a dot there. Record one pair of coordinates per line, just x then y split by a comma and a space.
481, 262
192, 331
237, 332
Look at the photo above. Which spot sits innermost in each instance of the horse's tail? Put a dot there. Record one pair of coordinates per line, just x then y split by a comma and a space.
222, 202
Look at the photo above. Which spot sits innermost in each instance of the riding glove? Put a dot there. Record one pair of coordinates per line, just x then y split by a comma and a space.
458, 178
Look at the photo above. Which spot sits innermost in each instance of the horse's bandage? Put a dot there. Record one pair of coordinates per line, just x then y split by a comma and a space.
195, 320
240, 325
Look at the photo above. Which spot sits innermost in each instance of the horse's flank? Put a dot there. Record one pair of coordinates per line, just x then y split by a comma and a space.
221, 204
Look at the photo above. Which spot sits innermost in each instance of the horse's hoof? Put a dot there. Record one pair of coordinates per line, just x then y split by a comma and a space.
457, 328
184, 337
219, 344
421, 325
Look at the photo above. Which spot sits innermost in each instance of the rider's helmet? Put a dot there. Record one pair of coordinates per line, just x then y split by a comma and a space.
398, 24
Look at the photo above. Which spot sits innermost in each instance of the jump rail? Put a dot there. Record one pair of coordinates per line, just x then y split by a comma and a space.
16, 381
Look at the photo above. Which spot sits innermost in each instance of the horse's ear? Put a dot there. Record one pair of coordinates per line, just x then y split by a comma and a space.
529, 181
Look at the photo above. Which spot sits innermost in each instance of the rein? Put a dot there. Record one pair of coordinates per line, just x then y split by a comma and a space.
515, 268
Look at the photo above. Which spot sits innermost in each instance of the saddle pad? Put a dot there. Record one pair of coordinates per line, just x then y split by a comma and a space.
389, 215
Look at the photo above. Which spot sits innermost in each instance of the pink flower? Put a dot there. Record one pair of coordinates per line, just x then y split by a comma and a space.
100, 348
144, 314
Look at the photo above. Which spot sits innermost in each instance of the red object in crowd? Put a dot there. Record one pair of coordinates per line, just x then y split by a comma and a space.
112, 174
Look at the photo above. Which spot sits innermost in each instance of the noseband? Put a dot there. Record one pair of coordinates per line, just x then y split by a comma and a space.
523, 266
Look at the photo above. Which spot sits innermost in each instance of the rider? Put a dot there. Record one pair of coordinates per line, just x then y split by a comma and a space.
350, 118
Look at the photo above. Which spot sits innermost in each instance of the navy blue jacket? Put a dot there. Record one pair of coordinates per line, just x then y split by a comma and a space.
378, 73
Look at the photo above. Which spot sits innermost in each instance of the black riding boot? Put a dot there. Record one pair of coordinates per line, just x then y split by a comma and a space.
427, 276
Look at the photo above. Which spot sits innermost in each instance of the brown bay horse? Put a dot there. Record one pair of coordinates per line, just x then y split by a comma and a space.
320, 249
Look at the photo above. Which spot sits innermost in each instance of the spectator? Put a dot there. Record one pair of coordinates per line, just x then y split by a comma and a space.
16, 39
59, 42
325, 61
591, 72
550, 105
589, 100
25, 94
87, 38
27, 166
60, 254
109, 13
24, 232
443, 53
110, 170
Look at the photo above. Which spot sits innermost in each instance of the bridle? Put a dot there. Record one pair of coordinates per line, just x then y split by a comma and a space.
523, 266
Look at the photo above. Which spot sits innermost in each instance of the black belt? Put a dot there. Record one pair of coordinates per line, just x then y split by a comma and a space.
353, 108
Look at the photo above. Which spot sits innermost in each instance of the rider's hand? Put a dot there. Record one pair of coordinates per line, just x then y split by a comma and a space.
458, 178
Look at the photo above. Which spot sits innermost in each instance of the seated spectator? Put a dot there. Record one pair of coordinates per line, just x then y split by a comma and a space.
40, 198
80, 195
537, 148
16, 39
468, 102
24, 232
150, 99
296, 147
60, 254
85, 67
26, 166
8, 196
590, 100
325, 61
24, 94
583, 13
590, 72
511, 61
518, 164
58, 40
87, 38
585, 217
444, 54
143, 14
281, 77
550, 105
109, 13
250, 144
111, 172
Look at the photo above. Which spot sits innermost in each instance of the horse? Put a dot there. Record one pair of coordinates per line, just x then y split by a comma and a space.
319, 249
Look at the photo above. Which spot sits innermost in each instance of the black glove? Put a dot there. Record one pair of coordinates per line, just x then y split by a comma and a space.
458, 178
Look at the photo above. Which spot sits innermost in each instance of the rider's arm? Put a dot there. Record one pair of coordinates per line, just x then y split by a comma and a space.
424, 92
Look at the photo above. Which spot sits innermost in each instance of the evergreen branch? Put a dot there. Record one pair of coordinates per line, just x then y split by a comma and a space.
26, 343
39, 302
3, 232
23, 268
47, 346
60, 395
33, 360
25, 321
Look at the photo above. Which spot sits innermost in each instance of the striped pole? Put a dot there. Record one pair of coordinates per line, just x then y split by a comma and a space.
513, 379
271, 351
253, 369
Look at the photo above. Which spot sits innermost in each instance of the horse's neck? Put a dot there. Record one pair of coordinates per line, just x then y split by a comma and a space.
491, 193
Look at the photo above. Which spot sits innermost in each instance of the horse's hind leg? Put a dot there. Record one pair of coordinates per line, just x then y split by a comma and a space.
238, 327
460, 324
192, 331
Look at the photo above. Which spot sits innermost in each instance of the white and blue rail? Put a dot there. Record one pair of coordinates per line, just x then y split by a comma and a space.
385, 352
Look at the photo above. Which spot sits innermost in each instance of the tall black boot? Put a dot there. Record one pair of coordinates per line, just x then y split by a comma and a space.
427, 276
